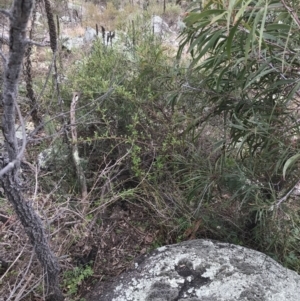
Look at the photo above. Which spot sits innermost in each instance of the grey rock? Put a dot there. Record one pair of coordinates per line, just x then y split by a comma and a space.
90, 34
72, 43
66, 19
203, 270
79, 8
51, 156
75, 12
180, 25
160, 27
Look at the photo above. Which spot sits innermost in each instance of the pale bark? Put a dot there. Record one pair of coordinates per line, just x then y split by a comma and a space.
19, 16
75, 153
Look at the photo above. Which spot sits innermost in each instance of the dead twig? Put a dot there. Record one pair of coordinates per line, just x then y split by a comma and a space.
75, 153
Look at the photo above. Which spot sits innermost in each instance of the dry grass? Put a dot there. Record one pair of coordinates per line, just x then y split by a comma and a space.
73, 31
111, 235
112, 18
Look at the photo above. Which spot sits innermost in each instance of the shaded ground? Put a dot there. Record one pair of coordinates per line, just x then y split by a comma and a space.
108, 243
126, 232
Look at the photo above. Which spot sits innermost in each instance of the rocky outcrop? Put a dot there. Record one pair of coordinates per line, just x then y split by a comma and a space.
159, 26
203, 270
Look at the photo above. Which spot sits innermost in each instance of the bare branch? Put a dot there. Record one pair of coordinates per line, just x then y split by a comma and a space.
75, 153
47, 78
21, 153
16, 162
12, 265
287, 194
8, 167
30, 42
292, 12
20, 282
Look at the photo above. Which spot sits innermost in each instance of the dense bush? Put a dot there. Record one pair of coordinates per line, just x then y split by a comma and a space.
199, 145
210, 144
128, 118
245, 57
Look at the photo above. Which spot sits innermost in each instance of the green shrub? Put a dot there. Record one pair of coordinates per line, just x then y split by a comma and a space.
73, 279
240, 71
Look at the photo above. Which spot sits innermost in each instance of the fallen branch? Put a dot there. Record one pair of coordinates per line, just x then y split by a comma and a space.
75, 154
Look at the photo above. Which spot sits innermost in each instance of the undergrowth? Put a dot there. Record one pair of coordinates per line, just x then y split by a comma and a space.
149, 138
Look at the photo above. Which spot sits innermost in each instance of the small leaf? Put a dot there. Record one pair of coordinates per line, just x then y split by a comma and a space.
292, 92
248, 42
290, 162
272, 27
216, 18
192, 18
240, 13
230, 38
262, 27
211, 42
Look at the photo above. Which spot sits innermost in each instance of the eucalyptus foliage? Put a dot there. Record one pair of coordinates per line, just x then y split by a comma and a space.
248, 58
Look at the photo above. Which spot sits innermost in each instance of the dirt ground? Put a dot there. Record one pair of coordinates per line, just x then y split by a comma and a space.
108, 243
126, 232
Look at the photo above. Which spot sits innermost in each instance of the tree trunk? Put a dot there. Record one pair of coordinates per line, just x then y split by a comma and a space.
35, 231
10, 159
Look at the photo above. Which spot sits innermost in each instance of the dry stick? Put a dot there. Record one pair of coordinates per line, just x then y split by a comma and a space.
12, 265
32, 288
287, 194
53, 42
16, 162
133, 34
20, 284
28, 74
292, 12
75, 154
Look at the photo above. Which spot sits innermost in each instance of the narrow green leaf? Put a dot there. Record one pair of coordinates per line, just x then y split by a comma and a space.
218, 145
200, 40
282, 82
258, 76
216, 18
285, 48
293, 91
270, 37
231, 36
245, 139
229, 12
192, 18
248, 42
262, 27
236, 126
240, 13
276, 5
212, 39
290, 162
239, 126
221, 76
283, 17
272, 27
